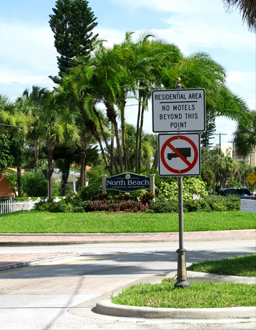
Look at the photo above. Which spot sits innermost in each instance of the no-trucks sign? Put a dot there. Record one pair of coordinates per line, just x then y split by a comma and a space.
179, 155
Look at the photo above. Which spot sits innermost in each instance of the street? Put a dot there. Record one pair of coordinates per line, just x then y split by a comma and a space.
45, 296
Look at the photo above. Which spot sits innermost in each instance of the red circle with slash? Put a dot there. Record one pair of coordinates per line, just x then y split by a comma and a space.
168, 144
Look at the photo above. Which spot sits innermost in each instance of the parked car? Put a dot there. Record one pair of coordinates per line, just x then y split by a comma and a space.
239, 192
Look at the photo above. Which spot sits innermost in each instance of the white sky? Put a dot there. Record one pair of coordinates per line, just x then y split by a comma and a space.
28, 56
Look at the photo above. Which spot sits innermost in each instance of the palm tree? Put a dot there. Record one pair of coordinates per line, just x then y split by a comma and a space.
243, 170
107, 87
31, 104
10, 117
148, 57
215, 164
230, 168
75, 92
247, 9
200, 71
245, 135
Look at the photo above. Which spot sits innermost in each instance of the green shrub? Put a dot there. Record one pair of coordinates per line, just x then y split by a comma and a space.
164, 206
191, 185
212, 193
75, 201
4, 198
147, 197
235, 184
123, 197
69, 192
12, 180
89, 193
61, 206
232, 203
150, 211
24, 199
115, 206
223, 203
197, 205
35, 184
78, 209
43, 206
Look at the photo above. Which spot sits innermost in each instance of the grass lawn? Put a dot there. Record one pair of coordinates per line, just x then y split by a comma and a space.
102, 222
238, 266
199, 295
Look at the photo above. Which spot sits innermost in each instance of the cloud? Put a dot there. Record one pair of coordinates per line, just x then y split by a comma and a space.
181, 6
237, 77
198, 23
112, 36
33, 79
26, 47
243, 84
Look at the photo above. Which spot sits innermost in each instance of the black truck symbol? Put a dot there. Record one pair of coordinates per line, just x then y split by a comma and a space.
186, 152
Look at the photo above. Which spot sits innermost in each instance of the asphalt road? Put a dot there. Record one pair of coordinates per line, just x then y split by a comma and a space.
44, 295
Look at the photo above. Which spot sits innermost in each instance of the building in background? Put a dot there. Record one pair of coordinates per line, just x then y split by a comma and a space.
228, 150
249, 159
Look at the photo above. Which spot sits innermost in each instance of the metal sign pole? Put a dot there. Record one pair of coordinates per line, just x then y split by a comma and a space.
181, 271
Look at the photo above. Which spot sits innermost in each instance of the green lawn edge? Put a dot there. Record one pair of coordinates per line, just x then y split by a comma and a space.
201, 294
103, 222
198, 295
236, 266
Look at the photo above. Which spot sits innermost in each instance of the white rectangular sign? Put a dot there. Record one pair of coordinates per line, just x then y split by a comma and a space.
178, 110
248, 206
179, 155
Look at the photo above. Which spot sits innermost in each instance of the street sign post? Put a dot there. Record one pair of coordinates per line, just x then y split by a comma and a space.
178, 110
179, 155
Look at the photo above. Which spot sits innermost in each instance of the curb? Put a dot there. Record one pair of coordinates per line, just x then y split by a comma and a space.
35, 261
106, 307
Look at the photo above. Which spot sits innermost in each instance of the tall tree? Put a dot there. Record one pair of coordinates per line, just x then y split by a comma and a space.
11, 118
207, 135
72, 24
245, 135
75, 92
6, 158
248, 10
31, 104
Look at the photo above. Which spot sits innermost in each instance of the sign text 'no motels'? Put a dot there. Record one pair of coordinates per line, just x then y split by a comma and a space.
178, 110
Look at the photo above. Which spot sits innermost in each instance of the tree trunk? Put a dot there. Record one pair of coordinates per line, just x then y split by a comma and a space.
92, 128
85, 142
112, 150
140, 137
50, 144
214, 181
65, 175
112, 118
82, 170
137, 136
36, 154
155, 162
19, 180
123, 133
106, 143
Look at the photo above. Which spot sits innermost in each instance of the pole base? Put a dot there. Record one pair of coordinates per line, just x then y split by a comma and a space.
181, 271
181, 284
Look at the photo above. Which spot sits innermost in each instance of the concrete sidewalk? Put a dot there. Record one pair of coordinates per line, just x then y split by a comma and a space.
8, 261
